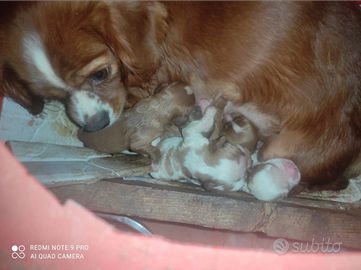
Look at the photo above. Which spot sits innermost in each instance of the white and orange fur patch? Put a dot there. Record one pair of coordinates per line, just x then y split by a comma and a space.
272, 179
85, 105
229, 172
266, 181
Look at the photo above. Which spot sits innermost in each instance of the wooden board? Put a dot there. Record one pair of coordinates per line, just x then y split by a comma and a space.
57, 165
72, 172
292, 218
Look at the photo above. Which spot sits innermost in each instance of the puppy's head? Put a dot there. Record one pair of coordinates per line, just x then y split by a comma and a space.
79, 52
239, 130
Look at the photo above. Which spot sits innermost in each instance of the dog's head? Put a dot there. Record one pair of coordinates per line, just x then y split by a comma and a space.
93, 56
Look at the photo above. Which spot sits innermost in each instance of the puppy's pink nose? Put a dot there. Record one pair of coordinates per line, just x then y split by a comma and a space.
97, 121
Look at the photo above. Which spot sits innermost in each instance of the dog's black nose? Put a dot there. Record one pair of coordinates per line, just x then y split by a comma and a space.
97, 122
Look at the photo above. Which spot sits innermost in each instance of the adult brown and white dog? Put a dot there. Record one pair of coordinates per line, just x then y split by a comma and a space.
292, 68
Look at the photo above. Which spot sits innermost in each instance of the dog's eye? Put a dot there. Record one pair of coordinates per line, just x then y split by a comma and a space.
100, 75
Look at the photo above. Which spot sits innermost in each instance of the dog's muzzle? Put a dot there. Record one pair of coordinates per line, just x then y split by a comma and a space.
97, 122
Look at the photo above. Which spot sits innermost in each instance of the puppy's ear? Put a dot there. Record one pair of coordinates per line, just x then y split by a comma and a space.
138, 31
12, 86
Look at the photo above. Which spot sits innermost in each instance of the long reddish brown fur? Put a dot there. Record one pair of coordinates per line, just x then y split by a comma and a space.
295, 66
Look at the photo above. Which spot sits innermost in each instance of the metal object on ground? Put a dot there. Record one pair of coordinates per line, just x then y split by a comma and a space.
127, 221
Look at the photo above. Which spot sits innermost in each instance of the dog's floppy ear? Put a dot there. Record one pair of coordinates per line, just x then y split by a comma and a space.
138, 31
12, 86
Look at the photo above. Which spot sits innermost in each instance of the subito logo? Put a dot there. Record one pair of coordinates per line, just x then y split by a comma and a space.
18, 252
281, 246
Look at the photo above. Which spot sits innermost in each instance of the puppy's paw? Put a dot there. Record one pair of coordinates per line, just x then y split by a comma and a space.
155, 160
227, 117
211, 185
229, 107
156, 141
211, 111
154, 166
202, 104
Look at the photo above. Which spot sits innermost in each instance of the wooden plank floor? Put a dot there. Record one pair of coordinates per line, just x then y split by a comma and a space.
292, 218
73, 172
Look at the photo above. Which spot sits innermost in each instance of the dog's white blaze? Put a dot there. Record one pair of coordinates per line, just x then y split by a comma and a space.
188, 90
35, 55
86, 105
237, 128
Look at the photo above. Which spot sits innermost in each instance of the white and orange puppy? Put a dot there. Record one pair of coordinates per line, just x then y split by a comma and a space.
268, 180
216, 164
272, 179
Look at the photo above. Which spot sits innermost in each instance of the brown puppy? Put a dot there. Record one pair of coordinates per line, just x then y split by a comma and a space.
146, 121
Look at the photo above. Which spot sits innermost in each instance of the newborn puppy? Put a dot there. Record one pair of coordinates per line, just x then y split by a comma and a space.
268, 180
272, 179
239, 130
146, 121
235, 126
217, 164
